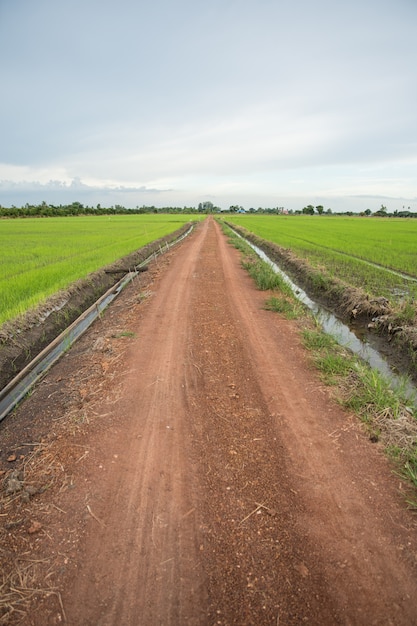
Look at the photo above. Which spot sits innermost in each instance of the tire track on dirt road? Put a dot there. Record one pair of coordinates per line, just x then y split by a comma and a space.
145, 563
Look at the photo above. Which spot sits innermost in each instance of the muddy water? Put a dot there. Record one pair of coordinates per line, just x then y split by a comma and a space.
344, 335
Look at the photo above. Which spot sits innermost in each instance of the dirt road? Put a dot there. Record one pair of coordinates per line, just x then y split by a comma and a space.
216, 482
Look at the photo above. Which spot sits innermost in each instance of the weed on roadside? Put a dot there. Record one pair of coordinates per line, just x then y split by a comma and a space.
290, 309
264, 276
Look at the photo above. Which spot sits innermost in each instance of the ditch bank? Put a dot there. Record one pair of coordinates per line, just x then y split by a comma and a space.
374, 319
23, 338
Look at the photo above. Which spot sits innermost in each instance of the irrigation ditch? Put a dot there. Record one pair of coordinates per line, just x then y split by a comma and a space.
368, 327
30, 345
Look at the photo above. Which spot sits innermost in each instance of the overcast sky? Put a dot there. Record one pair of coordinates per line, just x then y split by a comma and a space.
173, 102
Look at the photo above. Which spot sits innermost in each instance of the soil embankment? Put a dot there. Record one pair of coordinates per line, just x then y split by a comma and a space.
196, 471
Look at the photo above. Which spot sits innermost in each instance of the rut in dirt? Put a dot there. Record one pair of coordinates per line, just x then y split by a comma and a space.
240, 493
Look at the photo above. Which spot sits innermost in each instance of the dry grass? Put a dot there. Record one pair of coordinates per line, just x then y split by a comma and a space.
398, 432
18, 587
21, 571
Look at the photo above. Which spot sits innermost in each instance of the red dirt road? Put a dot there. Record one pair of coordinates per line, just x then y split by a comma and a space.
217, 482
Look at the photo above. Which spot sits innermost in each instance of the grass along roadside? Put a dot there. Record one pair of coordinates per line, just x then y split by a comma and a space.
266, 279
385, 412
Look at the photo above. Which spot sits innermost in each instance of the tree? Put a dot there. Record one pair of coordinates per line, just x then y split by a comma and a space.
206, 207
320, 209
308, 210
382, 212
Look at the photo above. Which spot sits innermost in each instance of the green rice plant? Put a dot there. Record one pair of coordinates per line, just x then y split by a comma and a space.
391, 243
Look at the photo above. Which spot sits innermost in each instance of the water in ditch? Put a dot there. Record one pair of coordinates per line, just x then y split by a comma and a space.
343, 334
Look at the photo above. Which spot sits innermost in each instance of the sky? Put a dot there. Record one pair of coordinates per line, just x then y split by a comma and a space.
259, 103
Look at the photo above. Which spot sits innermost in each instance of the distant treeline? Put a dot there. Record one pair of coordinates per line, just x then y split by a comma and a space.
382, 212
76, 208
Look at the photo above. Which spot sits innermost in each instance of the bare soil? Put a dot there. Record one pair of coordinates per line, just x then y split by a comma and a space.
182, 464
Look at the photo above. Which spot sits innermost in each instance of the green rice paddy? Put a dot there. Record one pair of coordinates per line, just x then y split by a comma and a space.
39, 257
367, 252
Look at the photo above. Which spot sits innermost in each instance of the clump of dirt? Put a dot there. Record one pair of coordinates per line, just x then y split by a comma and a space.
26, 336
376, 316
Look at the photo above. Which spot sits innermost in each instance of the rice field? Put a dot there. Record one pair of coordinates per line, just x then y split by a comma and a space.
39, 257
376, 254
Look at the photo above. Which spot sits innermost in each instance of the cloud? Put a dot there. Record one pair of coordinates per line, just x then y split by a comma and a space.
201, 97
56, 192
